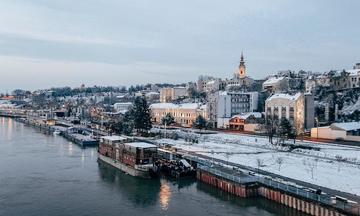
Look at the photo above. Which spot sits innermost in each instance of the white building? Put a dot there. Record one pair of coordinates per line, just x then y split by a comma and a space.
223, 105
212, 85
310, 85
291, 107
184, 114
276, 84
122, 107
152, 96
338, 131
354, 78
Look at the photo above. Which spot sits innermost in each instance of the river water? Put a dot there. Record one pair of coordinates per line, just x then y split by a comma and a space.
47, 175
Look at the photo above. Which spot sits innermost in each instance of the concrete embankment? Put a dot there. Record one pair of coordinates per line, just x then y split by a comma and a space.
245, 184
80, 139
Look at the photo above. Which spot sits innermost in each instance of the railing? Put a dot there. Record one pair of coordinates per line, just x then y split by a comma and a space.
237, 179
347, 206
326, 199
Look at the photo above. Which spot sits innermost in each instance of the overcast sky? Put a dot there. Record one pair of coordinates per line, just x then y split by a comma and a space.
45, 43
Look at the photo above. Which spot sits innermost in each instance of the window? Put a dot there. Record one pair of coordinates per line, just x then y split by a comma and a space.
283, 112
291, 115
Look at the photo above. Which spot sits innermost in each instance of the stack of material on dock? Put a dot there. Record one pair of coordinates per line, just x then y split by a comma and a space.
83, 140
175, 168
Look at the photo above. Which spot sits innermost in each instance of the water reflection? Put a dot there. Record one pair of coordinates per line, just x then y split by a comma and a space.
140, 191
82, 158
71, 148
54, 182
271, 207
164, 195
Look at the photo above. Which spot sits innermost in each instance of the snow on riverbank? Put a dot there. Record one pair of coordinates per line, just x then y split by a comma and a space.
316, 167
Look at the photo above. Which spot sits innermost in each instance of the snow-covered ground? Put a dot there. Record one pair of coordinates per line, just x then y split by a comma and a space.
333, 166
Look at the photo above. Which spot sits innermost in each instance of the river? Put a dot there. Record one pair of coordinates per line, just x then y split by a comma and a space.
47, 175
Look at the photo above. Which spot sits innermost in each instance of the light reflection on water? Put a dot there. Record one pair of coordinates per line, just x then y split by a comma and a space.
164, 195
47, 175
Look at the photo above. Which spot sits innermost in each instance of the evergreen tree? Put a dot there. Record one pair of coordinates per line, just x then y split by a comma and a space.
125, 126
168, 119
200, 122
141, 114
285, 129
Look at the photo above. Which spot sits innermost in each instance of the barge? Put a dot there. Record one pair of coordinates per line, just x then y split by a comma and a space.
129, 156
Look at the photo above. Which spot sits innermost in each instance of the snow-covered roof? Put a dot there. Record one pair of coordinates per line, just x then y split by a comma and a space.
189, 105
353, 72
285, 96
346, 126
273, 80
175, 106
163, 106
247, 115
152, 93
114, 138
123, 103
223, 93
141, 145
350, 109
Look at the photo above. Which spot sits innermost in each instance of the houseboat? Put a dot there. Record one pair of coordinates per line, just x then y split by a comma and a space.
132, 157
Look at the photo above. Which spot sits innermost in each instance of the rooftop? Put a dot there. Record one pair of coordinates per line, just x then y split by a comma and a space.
175, 106
285, 96
353, 72
347, 126
141, 145
273, 80
114, 138
247, 115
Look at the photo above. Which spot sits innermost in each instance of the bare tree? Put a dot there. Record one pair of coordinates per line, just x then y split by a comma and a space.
339, 160
227, 154
279, 162
312, 166
271, 126
259, 163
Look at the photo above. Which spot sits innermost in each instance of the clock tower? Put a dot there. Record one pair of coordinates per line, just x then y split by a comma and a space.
242, 67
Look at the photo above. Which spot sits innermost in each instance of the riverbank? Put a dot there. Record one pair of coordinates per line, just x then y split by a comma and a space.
42, 174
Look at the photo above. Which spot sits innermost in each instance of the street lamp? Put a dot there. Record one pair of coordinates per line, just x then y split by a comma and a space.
317, 127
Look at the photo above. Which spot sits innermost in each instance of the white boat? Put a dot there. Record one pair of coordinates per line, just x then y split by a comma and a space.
56, 132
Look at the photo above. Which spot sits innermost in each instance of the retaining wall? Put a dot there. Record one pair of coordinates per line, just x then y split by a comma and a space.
252, 190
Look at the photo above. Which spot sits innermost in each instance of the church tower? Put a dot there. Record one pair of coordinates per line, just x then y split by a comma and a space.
242, 68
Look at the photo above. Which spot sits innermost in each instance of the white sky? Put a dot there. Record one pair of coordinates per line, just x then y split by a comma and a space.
121, 42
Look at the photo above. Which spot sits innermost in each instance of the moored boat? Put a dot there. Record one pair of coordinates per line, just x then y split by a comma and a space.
133, 158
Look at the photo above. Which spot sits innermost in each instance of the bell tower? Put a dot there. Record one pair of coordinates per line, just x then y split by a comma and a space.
242, 67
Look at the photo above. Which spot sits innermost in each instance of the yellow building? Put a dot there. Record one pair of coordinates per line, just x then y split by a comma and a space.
184, 114
170, 94
291, 107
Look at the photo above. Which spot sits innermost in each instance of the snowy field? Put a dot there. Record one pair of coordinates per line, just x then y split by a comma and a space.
333, 166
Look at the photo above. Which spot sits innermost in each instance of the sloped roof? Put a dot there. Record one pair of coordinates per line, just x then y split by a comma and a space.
273, 80
285, 96
247, 115
346, 126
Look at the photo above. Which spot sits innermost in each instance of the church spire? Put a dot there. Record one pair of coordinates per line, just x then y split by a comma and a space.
242, 67
242, 62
